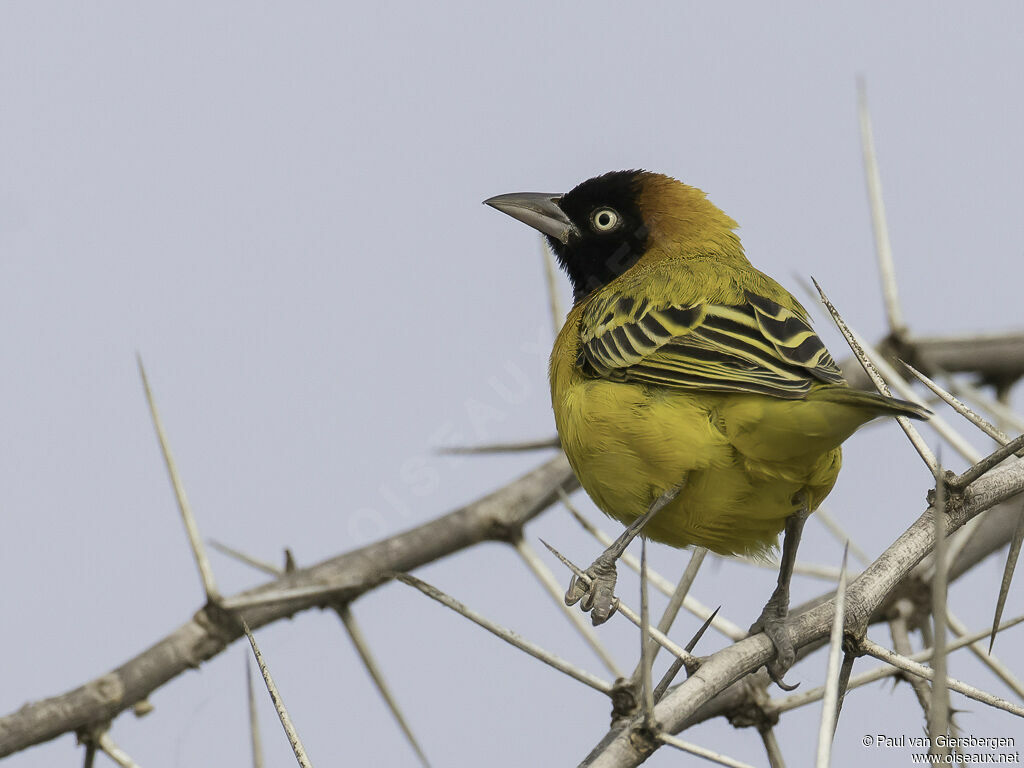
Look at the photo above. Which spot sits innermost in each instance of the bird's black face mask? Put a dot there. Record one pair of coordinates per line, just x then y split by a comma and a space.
610, 234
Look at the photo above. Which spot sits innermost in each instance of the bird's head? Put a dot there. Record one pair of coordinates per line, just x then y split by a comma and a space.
605, 225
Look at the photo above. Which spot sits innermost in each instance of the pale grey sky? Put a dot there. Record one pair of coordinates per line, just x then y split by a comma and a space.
278, 206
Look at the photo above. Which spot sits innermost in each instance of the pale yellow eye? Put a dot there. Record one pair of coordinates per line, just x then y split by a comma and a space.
605, 219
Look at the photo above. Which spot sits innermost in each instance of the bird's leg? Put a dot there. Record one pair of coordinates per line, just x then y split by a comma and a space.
599, 594
772, 620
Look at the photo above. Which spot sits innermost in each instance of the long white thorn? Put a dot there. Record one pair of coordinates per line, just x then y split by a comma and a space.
953, 402
826, 518
1003, 414
771, 748
915, 437
252, 562
114, 752
551, 280
904, 663
1008, 569
830, 706
254, 720
812, 695
659, 637
904, 390
366, 655
507, 635
938, 709
883, 248
547, 579
646, 651
999, 669
707, 754
675, 601
282, 713
194, 539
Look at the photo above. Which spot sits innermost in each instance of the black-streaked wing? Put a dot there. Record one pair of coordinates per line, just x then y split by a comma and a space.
759, 346
794, 339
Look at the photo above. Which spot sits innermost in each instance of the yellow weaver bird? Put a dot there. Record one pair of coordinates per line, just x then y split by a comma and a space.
691, 395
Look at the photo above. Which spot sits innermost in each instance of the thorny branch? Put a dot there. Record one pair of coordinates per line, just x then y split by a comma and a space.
626, 745
496, 517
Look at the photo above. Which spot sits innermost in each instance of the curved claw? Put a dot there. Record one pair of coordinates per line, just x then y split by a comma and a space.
785, 653
776, 672
576, 591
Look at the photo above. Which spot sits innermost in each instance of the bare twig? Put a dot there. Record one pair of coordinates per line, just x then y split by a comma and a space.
551, 282
687, 702
707, 754
830, 706
938, 708
793, 701
507, 635
883, 248
673, 670
990, 357
282, 713
904, 663
114, 752
318, 593
254, 720
646, 651
679, 663
577, 619
363, 649
901, 642
905, 390
826, 518
811, 570
915, 437
1008, 569
358, 641
994, 459
986, 657
195, 540
259, 565
354, 573
771, 748
676, 601
1003, 413
992, 431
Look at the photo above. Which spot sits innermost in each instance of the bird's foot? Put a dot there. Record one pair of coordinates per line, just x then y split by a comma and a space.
772, 622
596, 588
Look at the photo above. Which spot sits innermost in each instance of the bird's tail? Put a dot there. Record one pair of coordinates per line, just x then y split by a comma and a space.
871, 401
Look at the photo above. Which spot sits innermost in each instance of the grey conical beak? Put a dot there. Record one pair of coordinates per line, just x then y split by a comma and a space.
537, 209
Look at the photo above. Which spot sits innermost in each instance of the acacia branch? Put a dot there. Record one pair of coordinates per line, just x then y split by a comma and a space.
996, 358
630, 745
498, 516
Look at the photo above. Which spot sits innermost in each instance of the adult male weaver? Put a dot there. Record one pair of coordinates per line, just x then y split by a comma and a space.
691, 395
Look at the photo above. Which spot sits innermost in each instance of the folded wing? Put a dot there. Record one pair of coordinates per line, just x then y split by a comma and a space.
757, 346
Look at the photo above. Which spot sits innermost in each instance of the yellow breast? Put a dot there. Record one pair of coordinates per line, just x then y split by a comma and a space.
629, 443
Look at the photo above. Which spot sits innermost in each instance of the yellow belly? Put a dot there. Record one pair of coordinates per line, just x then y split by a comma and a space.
747, 460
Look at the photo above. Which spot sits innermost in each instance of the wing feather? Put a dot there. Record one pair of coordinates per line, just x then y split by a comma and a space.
757, 346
